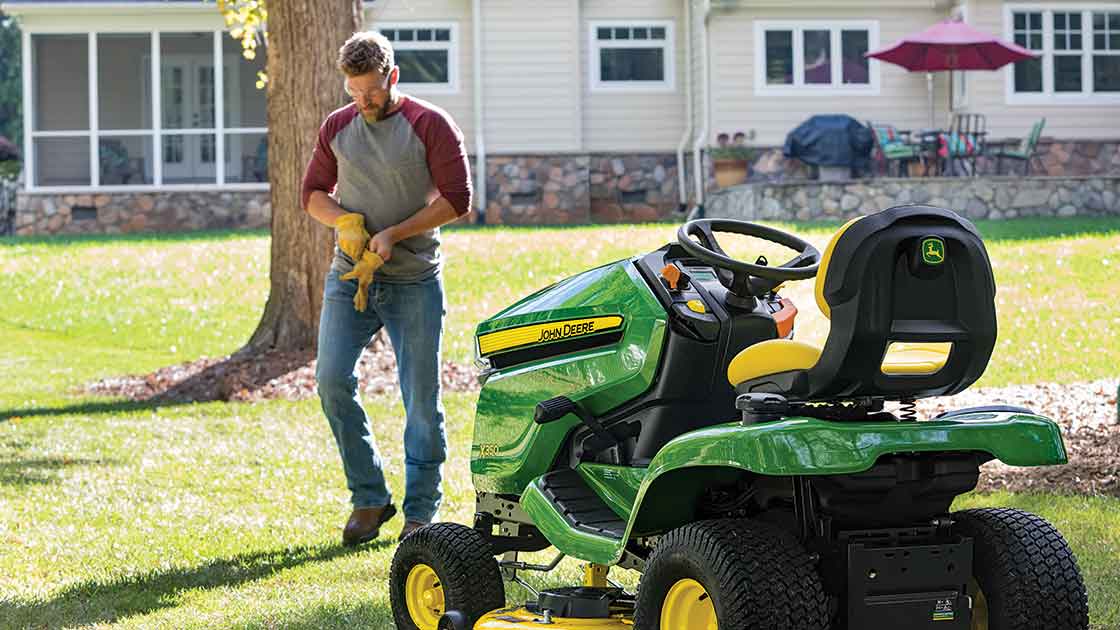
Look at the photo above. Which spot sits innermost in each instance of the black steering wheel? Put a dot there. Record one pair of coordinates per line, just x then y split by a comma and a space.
742, 278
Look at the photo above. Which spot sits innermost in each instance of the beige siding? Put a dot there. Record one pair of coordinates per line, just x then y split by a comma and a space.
902, 99
459, 104
530, 81
620, 121
987, 90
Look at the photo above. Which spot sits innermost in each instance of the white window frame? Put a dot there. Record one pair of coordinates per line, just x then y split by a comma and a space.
799, 87
156, 133
1048, 96
451, 46
668, 46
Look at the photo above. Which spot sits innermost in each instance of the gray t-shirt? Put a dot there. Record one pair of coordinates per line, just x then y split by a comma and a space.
387, 171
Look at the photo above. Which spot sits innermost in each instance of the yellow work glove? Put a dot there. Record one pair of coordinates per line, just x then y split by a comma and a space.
352, 236
363, 273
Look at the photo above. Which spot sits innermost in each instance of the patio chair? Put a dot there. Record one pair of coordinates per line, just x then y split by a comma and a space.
1025, 152
893, 146
117, 167
964, 142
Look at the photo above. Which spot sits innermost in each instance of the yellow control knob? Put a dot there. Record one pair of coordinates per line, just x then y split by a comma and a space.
696, 306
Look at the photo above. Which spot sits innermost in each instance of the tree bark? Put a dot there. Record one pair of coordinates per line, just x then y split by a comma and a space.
304, 86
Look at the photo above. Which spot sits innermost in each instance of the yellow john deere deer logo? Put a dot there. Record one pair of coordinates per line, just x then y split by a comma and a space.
933, 250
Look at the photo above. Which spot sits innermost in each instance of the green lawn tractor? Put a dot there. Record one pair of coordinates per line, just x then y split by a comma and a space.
655, 414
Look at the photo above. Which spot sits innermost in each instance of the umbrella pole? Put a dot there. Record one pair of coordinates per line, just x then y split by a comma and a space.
929, 93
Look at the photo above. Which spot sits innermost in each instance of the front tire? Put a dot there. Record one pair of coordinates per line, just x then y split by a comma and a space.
1025, 575
730, 574
439, 568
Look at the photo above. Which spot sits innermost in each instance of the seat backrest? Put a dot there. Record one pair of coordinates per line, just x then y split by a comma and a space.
1032, 140
909, 274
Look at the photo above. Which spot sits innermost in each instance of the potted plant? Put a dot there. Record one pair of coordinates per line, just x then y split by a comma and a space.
731, 163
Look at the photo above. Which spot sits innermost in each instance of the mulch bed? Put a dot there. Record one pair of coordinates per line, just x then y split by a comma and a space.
1085, 411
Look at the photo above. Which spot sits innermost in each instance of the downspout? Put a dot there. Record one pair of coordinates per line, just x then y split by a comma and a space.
701, 137
682, 181
479, 135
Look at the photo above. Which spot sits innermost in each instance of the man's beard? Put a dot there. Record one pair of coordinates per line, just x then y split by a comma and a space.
379, 113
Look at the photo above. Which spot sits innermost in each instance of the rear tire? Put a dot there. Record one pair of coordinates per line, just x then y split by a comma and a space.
466, 577
1026, 572
755, 576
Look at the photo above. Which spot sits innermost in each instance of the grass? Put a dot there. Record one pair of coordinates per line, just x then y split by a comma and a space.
119, 514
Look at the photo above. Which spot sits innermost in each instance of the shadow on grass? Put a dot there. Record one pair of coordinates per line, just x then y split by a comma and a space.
195, 382
37, 471
110, 600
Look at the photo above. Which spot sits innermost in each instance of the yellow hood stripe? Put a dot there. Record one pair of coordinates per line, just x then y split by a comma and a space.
550, 332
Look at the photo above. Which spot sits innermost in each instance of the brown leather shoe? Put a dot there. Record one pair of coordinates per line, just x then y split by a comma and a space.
365, 524
409, 527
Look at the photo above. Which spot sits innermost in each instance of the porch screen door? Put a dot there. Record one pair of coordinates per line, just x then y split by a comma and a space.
188, 104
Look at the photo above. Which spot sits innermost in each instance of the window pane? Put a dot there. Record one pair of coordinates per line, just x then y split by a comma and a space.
1106, 73
125, 160
1067, 73
1059, 20
1036, 21
603, 33
779, 57
62, 161
246, 157
443, 35
424, 35
1036, 41
853, 45
1020, 21
189, 159
632, 64
60, 72
1075, 42
187, 80
1075, 21
124, 81
641, 33
245, 105
818, 57
1099, 42
1028, 75
1114, 41
1114, 21
405, 35
423, 66
657, 32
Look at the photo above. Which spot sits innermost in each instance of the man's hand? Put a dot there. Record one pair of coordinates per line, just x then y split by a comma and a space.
382, 243
352, 235
363, 273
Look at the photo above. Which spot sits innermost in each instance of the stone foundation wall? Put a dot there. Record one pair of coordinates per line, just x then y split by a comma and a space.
567, 189
1057, 157
976, 198
116, 213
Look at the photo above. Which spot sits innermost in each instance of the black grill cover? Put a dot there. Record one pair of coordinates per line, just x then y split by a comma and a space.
831, 140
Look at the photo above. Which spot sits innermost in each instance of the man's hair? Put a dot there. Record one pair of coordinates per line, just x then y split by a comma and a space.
366, 52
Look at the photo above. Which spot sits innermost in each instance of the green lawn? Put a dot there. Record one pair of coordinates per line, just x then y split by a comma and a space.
228, 515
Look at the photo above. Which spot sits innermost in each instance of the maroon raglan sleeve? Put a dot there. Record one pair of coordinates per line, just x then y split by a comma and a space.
447, 158
322, 170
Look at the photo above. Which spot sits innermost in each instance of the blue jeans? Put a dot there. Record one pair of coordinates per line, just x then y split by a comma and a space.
413, 315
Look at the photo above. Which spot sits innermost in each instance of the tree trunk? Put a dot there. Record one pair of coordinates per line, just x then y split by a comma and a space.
304, 86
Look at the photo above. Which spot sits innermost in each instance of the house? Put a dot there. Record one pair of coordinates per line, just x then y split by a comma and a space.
573, 110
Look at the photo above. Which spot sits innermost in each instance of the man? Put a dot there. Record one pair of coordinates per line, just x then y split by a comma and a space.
401, 172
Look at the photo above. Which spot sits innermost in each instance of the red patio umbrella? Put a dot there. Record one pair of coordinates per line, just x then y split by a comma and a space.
950, 45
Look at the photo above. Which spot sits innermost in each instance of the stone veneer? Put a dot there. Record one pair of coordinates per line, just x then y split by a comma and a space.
580, 188
1058, 157
115, 213
976, 198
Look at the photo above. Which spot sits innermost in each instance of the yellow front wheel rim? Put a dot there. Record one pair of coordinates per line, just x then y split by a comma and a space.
687, 606
979, 607
423, 595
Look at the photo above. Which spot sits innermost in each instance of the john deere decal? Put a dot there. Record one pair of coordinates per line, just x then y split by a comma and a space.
933, 250
533, 334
